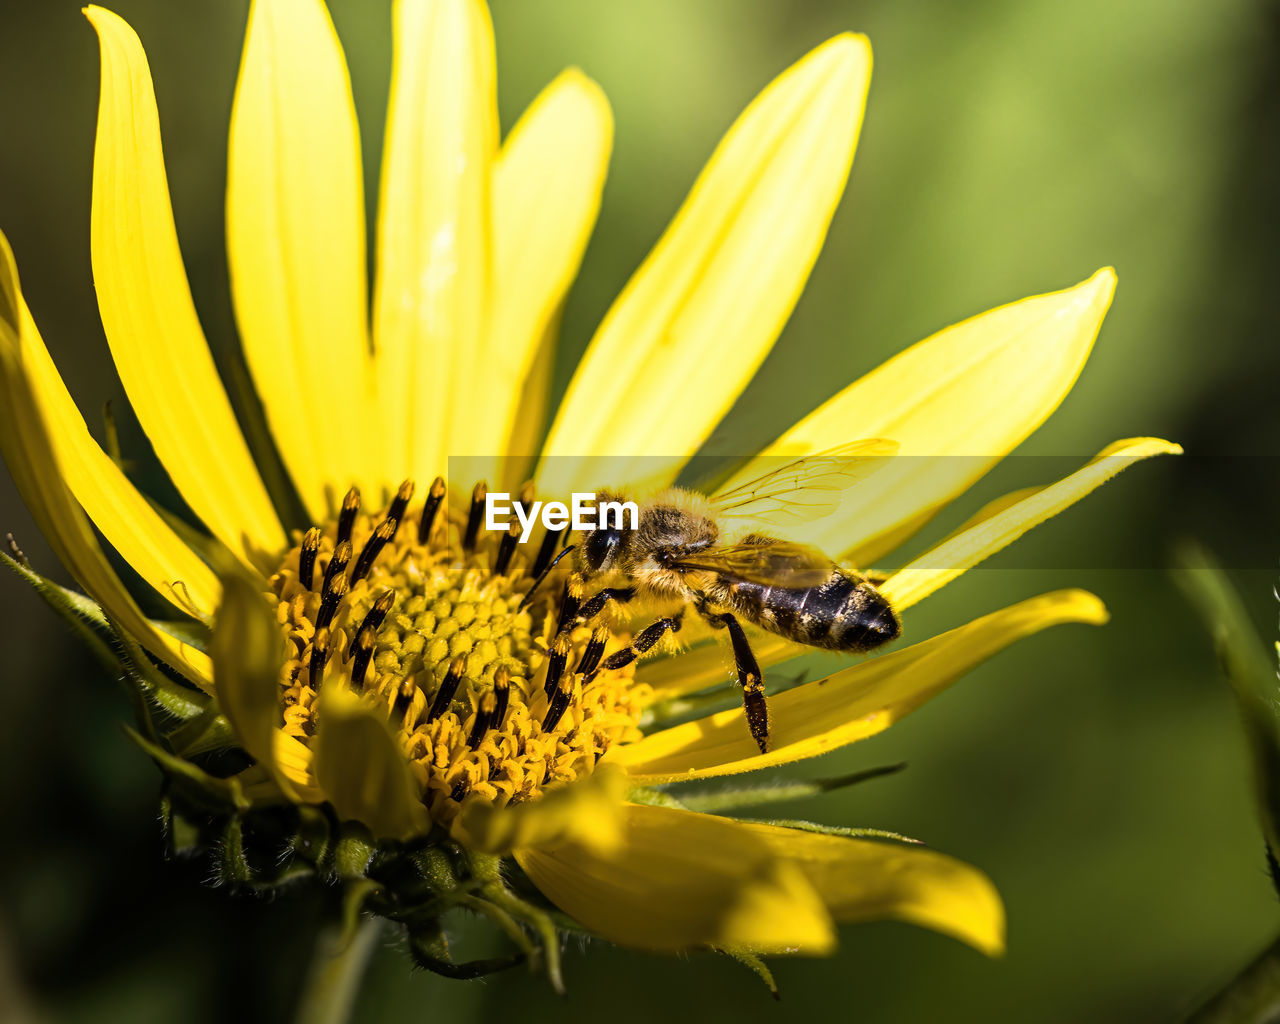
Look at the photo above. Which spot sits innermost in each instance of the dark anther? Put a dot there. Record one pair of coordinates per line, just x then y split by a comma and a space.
400, 503
337, 564
333, 595
459, 790
475, 516
347, 517
556, 659
362, 648
404, 697
502, 691
448, 687
319, 656
484, 716
373, 548
506, 548
559, 704
545, 551
307, 557
590, 660
528, 594
434, 497
374, 616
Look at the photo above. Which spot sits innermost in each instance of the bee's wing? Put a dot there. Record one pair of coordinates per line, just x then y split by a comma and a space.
767, 560
808, 488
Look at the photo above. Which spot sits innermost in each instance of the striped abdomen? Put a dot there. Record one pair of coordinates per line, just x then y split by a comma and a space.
844, 613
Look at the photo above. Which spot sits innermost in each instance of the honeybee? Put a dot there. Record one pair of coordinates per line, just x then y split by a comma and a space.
685, 550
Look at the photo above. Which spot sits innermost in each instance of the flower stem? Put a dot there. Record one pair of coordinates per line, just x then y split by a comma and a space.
337, 965
1251, 997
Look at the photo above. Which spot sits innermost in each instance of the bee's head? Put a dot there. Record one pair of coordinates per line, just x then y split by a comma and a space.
600, 548
602, 545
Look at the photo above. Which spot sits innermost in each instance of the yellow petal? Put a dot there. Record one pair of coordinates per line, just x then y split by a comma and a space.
147, 312
363, 771
1007, 519
701, 313
123, 515
865, 880
956, 402
432, 292
248, 650
588, 812
683, 880
296, 244
690, 671
41, 467
851, 705
546, 194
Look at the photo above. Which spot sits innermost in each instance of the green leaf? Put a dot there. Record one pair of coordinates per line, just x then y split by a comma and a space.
1247, 664
754, 964
714, 801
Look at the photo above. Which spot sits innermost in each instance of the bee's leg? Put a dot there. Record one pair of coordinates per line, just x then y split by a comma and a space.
644, 641
574, 610
749, 676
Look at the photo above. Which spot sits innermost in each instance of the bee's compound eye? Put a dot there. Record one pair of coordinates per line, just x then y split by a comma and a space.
600, 548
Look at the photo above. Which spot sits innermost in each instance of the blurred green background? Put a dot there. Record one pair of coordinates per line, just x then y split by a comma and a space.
1010, 147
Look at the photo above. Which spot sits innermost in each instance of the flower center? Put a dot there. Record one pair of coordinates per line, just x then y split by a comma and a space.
429, 618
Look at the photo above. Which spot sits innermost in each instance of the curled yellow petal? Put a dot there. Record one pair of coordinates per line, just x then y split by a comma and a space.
865, 880
149, 318
682, 880
296, 245
546, 194
41, 468
851, 705
247, 651
1007, 519
699, 316
363, 771
956, 403
588, 812
124, 516
432, 292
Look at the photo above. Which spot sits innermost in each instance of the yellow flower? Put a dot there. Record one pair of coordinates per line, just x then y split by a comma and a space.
477, 244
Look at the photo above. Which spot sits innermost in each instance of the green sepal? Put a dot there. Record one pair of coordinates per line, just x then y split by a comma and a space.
184, 836
351, 852
714, 801
208, 731
204, 791
848, 831
81, 613
154, 687
310, 843
429, 947
233, 864
654, 798
1248, 667
754, 964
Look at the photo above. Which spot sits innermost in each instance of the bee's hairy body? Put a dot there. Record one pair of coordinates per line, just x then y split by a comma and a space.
842, 613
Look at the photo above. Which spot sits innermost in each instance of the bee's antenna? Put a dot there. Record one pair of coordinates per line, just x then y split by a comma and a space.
541, 576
